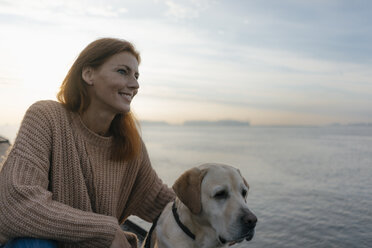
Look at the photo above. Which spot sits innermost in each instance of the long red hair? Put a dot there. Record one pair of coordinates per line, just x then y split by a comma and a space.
74, 95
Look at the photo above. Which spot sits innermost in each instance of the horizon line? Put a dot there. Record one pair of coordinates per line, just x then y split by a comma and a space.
231, 122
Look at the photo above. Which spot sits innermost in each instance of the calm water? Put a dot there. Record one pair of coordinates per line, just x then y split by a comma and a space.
310, 187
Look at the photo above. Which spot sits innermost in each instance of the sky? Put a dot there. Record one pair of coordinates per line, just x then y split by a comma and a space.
269, 62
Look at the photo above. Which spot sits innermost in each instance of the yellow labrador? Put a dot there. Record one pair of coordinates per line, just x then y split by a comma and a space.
210, 210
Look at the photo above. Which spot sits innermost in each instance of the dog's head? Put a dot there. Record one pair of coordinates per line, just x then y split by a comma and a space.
217, 195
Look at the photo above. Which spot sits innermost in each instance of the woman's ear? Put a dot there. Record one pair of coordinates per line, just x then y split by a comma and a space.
87, 75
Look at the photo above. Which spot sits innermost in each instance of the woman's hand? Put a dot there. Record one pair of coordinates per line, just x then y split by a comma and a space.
124, 240
132, 239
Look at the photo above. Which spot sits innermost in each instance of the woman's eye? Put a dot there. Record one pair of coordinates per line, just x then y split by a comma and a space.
221, 194
122, 71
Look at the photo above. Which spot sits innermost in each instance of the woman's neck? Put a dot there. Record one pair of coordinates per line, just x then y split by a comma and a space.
98, 122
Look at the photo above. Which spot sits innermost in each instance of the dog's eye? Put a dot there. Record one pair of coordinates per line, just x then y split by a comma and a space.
221, 194
244, 193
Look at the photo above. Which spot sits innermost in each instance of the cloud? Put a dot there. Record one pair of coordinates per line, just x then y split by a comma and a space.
52, 11
189, 9
193, 52
270, 80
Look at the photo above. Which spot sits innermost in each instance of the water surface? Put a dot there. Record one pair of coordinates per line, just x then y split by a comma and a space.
310, 187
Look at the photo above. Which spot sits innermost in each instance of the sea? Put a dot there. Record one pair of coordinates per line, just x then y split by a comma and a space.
309, 186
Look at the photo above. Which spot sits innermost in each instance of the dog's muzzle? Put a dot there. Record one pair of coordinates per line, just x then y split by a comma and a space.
250, 235
248, 223
249, 220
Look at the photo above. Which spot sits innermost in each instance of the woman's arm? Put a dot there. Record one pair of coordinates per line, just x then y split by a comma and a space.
150, 195
26, 206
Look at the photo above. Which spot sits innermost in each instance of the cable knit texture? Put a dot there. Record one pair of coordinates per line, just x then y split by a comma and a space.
59, 183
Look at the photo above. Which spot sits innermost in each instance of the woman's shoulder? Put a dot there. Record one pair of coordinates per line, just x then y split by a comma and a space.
47, 104
48, 108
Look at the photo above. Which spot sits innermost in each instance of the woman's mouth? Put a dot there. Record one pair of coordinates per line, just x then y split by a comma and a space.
126, 96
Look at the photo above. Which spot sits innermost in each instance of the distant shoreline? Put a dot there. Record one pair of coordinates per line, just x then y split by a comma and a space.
246, 124
9, 132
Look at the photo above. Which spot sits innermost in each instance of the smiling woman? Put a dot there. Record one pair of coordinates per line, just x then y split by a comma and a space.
114, 81
78, 167
96, 81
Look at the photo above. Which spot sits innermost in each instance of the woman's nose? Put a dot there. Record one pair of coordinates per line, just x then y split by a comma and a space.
133, 83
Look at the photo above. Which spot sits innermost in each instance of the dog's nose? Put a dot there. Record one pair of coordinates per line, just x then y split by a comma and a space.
249, 219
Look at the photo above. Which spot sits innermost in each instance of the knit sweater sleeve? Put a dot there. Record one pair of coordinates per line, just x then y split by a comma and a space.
26, 206
150, 194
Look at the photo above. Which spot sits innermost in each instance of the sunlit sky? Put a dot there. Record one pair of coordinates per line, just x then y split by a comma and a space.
287, 62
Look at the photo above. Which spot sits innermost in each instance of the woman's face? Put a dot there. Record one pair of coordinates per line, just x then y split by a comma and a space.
114, 84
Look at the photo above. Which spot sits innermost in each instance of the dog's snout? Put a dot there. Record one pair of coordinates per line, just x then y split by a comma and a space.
249, 219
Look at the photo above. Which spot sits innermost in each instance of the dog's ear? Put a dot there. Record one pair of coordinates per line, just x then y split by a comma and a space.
245, 181
188, 189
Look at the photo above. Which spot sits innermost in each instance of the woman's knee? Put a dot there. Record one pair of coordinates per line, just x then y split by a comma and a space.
31, 243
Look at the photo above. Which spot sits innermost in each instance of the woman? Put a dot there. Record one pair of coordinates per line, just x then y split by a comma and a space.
78, 167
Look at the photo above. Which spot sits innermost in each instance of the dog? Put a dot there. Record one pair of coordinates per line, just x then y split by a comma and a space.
210, 210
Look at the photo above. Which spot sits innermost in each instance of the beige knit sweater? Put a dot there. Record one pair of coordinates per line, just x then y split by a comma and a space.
59, 183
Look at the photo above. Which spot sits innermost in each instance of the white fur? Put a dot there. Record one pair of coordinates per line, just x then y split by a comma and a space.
218, 217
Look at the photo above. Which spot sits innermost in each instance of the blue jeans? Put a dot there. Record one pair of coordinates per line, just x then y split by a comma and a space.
30, 243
